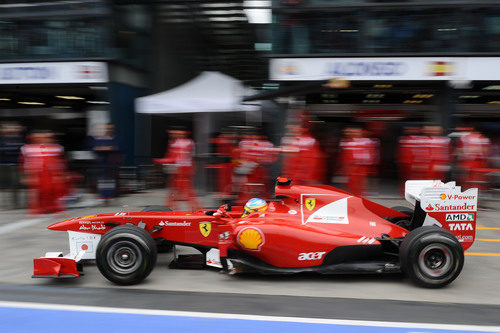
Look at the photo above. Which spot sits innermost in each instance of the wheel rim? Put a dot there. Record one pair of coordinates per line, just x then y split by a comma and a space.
435, 260
124, 257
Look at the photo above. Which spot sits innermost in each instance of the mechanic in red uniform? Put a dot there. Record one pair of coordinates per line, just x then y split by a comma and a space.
302, 160
255, 154
44, 173
412, 156
473, 151
357, 157
179, 154
439, 153
403, 154
225, 146
374, 152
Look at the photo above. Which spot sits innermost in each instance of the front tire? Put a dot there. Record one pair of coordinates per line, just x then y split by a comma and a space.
432, 257
126, 254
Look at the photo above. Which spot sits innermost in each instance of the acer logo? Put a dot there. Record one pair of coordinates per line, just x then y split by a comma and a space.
460, 226
460, 217
311, 256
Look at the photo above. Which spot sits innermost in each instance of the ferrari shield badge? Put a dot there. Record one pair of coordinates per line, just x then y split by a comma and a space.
205, 228
310, 203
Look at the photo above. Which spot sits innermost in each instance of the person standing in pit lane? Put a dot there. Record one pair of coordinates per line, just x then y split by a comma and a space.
44, 172
439, 153
255, 153
106, 149
357, 157
225, 146
179, 156
411, 155
473, 153
302, 158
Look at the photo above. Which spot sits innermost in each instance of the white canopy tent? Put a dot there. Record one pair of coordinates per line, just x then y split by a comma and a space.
208, 92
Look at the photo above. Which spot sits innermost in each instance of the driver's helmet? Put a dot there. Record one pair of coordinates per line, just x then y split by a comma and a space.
254, 205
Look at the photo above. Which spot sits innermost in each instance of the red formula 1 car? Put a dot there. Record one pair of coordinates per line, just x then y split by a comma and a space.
304, 229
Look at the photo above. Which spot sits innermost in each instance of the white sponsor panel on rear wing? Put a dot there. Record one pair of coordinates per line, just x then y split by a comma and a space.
446, 199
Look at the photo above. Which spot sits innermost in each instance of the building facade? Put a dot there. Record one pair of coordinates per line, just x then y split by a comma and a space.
66, 66
437, 60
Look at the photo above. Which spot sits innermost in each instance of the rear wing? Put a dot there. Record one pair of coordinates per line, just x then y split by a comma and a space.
444, 205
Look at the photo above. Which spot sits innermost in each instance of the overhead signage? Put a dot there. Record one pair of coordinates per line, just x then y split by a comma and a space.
53, 72
385, 69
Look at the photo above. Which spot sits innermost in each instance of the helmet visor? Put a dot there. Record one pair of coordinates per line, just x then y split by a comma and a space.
247, 211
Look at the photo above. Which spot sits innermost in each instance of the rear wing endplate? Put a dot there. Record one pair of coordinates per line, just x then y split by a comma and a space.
445, 205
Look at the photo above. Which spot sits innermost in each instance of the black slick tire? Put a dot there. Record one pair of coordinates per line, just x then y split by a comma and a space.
126, 254
431, 257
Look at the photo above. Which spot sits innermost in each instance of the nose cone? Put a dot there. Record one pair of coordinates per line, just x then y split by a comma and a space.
64, 225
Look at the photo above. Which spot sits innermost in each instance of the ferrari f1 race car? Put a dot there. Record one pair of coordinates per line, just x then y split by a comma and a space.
304, 229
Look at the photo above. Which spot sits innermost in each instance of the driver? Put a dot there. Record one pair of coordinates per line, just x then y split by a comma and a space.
254, 205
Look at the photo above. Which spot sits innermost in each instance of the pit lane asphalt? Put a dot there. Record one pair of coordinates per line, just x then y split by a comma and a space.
267, 305
474, 298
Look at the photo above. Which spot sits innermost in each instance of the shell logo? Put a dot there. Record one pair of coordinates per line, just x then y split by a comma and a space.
442, 196
251, 238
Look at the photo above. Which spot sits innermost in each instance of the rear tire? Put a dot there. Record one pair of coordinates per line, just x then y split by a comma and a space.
432, 257
126, 254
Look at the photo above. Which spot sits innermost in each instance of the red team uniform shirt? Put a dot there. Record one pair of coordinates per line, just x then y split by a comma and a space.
302, 162
358, 156
44, 167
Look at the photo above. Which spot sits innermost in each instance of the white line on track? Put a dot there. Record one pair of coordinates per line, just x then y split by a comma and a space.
20, 224
64, 307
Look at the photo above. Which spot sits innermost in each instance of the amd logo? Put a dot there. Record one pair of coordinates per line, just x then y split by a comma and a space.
460, 217
460, 226
311, 255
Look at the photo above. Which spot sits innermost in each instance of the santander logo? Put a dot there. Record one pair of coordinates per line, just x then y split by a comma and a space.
429, 207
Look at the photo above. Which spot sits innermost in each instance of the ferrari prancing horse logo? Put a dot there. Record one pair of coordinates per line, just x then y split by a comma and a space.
310, 203
205, 228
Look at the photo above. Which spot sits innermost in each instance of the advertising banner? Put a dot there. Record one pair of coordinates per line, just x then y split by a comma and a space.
385, 69
53, 72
